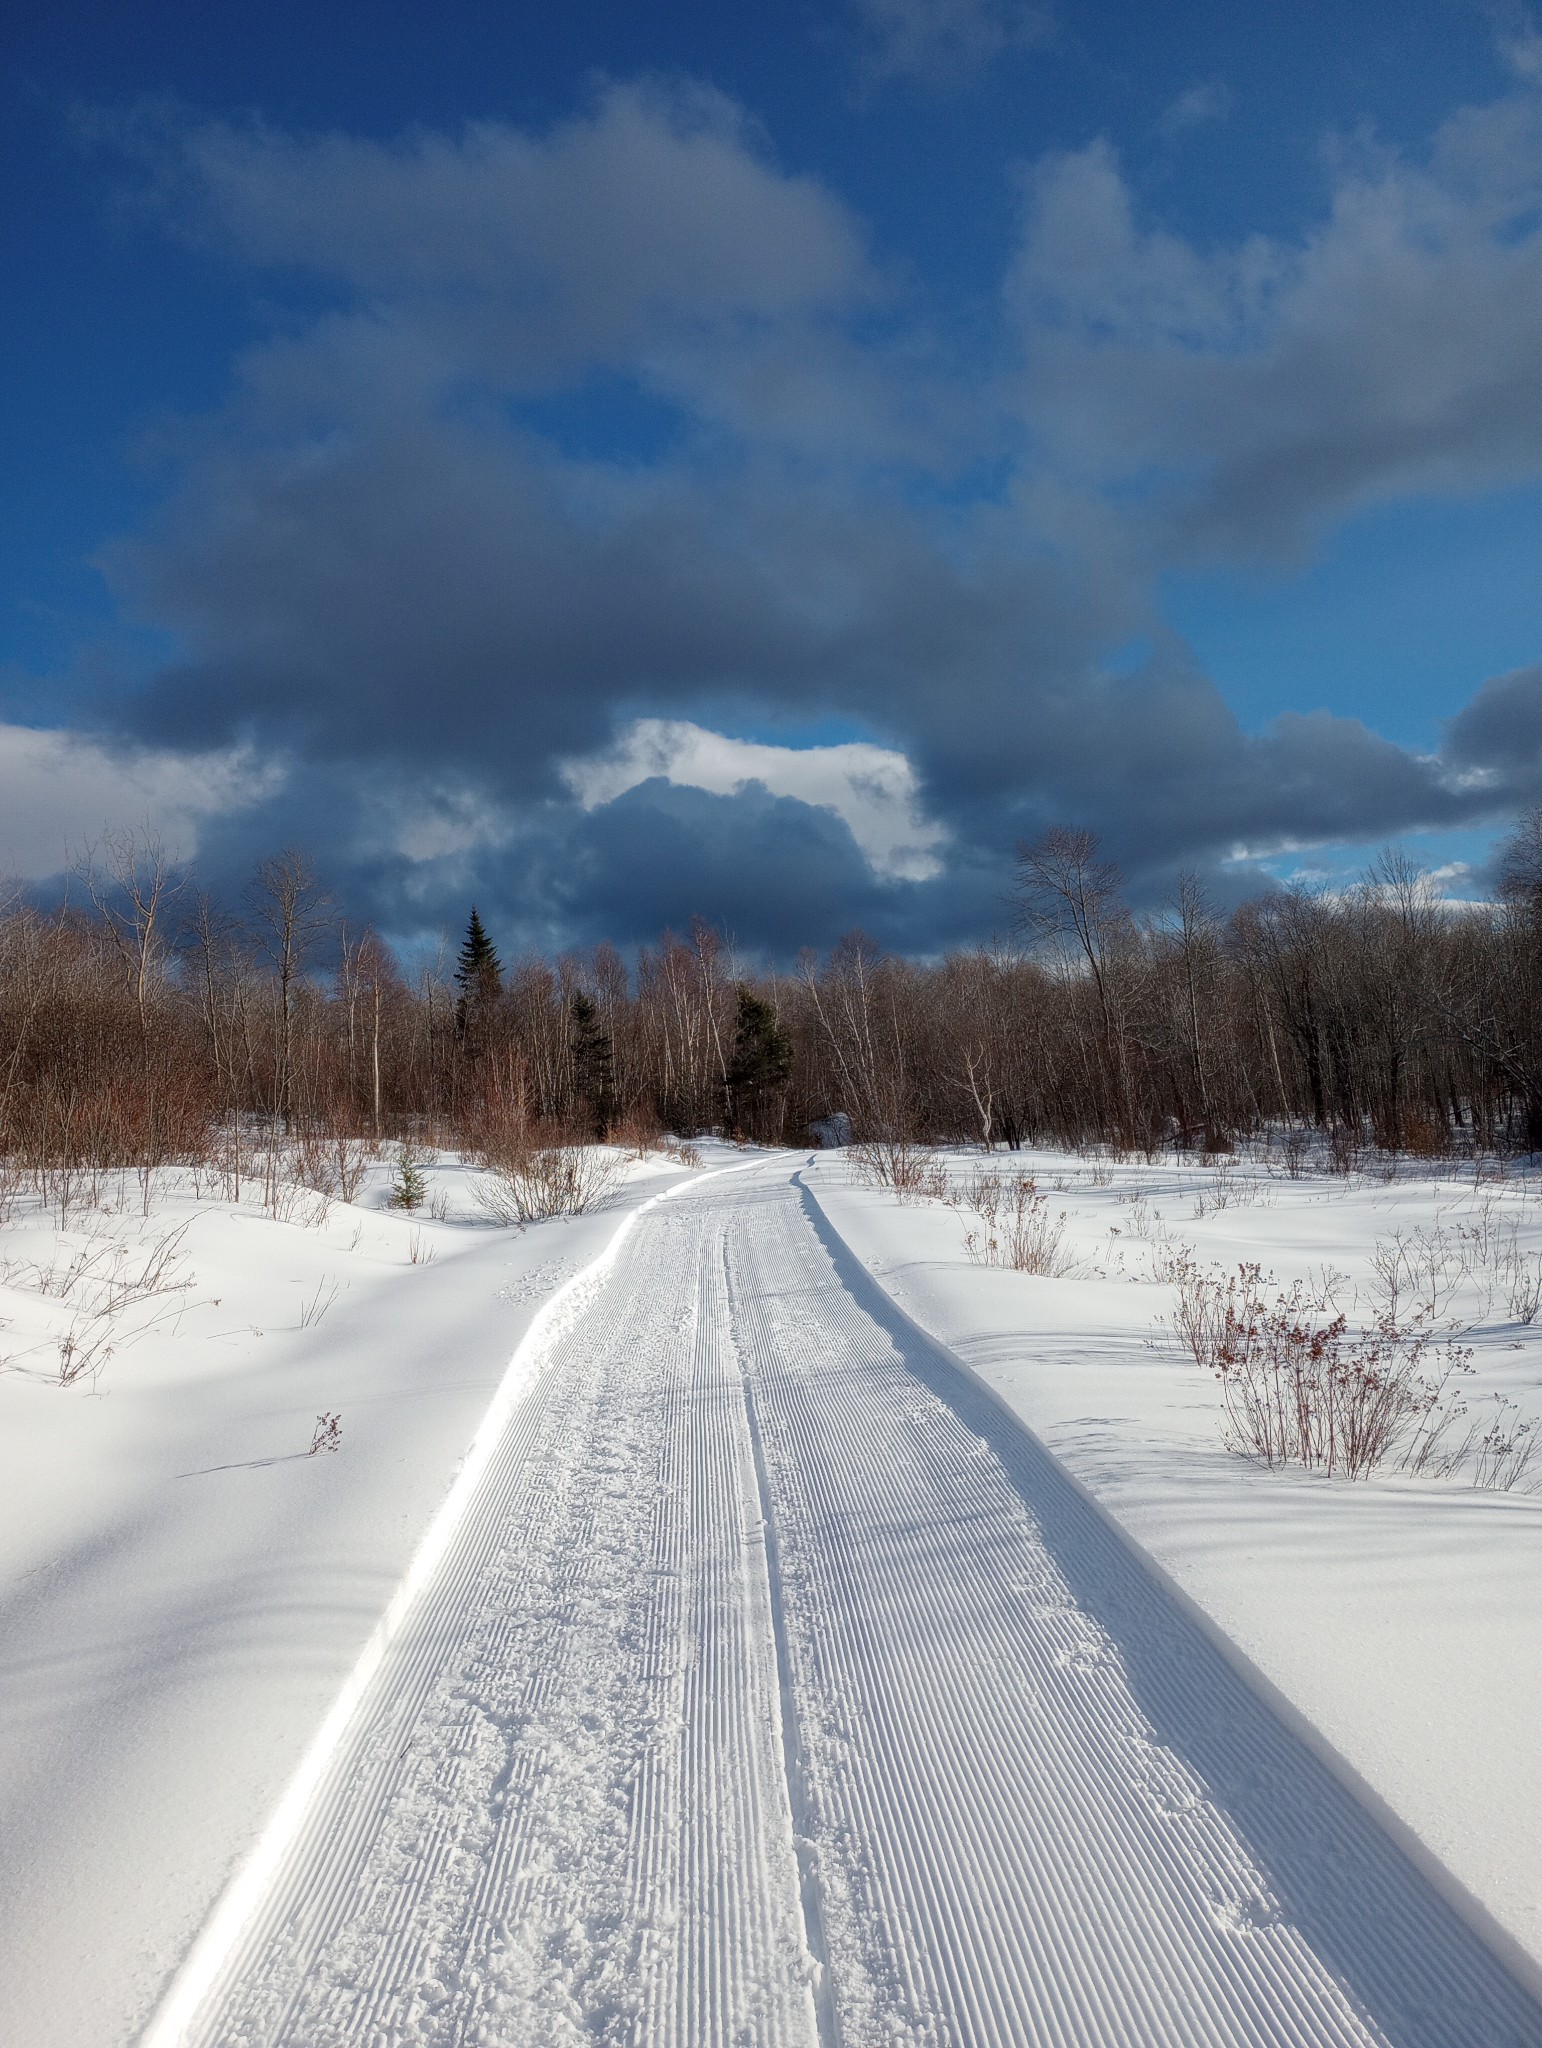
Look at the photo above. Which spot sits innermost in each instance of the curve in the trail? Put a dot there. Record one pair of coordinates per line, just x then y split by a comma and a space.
777, 1688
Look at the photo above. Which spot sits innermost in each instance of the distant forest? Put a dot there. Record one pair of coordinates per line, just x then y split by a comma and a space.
140, 1022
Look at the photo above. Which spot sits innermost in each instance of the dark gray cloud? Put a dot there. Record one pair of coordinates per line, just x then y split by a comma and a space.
1494, 745
774, 872
397, 576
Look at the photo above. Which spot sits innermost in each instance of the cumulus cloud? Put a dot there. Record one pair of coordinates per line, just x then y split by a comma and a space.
389, 564
1494, 745
1258, 390
654, 217
60, 790
873, 789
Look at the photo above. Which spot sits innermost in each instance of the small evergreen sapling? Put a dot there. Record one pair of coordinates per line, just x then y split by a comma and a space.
409, 1188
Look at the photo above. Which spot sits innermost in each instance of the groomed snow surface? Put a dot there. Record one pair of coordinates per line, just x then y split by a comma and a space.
768, 1680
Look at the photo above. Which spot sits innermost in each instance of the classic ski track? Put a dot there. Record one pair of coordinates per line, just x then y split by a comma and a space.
636, 1756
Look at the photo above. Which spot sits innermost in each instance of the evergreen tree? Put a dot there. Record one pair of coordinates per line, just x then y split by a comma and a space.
593, 1065
759, 1068
478, 976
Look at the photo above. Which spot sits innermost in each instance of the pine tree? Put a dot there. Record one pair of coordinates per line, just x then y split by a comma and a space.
759, 1068
479, 977
593, 1065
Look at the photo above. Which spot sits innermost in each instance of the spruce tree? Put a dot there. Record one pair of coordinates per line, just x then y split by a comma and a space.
593, 1065
478, 976
759, 1068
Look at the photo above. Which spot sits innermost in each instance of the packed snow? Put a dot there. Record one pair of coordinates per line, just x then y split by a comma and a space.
1401, 1616
771, 1671
185, 1587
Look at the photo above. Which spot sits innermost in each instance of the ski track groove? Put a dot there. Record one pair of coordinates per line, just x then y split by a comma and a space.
764, 1701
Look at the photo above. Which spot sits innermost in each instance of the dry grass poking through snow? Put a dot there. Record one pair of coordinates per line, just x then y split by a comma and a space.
97, 1283
1300, 1383
1013, 1223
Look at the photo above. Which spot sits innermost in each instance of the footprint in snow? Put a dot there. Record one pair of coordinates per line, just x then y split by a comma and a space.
1245, 1916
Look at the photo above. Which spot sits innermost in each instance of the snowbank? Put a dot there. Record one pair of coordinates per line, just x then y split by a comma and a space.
1402, 1618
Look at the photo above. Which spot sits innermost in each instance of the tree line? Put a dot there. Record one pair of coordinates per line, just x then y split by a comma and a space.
139, 1018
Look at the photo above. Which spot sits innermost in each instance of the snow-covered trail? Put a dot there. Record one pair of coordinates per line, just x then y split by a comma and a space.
778, 1688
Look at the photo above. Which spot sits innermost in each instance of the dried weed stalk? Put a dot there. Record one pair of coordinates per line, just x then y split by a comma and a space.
1014, 1226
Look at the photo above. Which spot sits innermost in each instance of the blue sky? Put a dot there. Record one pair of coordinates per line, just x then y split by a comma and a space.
625, 463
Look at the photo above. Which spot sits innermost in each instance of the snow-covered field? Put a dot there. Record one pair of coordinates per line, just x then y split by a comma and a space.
1401, 1617
771, 1683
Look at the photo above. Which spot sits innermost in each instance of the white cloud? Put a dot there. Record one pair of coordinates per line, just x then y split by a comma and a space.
59, 790
872, 788
1272, 384
1210, 101
946, 38
1519, 41
653, 217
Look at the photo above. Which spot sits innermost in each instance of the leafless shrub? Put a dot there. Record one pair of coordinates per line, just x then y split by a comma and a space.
1296, 1151
1015, 1227
1346, 1148
1524, 1274
350, 1162
101, 1283
683, 1151
1301, 1390
158, 1271
1229, 1190
909, 1169
549, 1180
637, 1134
1172, 1261
1502, 1455
108, 1274
1323, 1288
1425, 1265
1487, 1236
